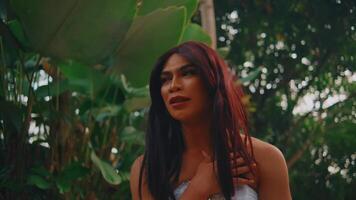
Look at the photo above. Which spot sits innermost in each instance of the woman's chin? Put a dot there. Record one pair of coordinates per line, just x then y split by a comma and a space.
180, 118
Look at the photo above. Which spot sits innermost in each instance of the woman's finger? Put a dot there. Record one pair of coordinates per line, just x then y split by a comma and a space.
243, 181
234, 155
240, 170
237, 162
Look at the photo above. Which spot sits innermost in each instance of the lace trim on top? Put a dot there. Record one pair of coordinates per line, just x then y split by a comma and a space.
243, 192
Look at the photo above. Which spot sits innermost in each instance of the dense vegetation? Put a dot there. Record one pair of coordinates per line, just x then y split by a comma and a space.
70, 123
73, 95
303, 99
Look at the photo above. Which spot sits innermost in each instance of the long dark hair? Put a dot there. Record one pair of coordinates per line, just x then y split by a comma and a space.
162, 159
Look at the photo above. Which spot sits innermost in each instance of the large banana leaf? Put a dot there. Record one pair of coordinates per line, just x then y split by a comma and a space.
195, 32
92, 31
148, 6
82, 78
148, 37
87, 31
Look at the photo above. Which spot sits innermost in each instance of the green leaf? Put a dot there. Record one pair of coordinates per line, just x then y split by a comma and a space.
107, 111
83, 78
136, 103
38, 181
223, 51
251, 76
341, 138
16, 29
125, 176
149, 37
152, 5
87, 31
52, 89
107, 171
74, 171
131, 135
195, 32
75, 70
70, 173
137, 98
132, 91
41, 170
63, 185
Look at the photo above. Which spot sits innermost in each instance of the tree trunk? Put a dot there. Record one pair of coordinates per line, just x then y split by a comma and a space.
207, 15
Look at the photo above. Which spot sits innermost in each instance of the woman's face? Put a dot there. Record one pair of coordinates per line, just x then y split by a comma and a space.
183, 91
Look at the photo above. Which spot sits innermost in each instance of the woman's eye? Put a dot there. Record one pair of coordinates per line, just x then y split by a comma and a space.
189, 72
164, 80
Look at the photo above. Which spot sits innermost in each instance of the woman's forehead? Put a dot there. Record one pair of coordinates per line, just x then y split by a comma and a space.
175, 62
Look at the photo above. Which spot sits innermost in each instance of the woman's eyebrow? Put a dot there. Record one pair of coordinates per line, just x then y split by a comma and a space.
178, 69
188, 66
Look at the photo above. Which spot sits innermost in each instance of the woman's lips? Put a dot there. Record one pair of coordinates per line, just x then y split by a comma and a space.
178, 101
178, 98
179, 104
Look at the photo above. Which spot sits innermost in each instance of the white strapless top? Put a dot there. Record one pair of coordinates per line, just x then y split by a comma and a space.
243, 192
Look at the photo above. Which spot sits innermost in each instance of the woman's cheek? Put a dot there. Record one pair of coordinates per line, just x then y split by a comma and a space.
164, 94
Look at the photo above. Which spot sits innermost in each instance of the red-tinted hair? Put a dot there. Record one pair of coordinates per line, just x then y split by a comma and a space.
164, 140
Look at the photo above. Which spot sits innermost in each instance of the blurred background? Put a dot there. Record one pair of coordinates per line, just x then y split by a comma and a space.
74, 96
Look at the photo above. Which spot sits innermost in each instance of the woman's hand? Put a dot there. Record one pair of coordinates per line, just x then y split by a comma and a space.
205, 181
241, 173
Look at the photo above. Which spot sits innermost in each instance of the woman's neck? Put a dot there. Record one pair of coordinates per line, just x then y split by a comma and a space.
197, 136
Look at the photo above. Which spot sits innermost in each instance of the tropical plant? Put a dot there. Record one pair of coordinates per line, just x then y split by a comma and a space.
73, 93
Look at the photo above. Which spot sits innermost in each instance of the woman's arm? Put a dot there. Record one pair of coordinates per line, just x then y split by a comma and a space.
273, 173
134, 181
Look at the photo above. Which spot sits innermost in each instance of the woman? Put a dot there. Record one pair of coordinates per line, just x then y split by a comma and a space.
197, 142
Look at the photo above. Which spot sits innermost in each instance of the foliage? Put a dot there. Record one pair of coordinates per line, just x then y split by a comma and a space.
304, 96
70, 123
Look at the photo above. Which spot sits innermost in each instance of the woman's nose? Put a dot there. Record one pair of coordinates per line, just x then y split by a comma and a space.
175, 85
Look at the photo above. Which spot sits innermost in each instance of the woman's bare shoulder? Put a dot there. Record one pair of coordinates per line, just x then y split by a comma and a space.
135, 170
136, 166
272, 171
135, 179
135, 176
265, 151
